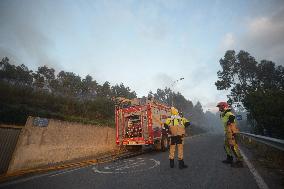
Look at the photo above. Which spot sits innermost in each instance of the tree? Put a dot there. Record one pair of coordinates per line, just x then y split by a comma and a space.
69, 84
24, 76
122, 91
257, 86
15, 75
89, 87
104, 90
45, 78
198, 114
8, 71
68, 97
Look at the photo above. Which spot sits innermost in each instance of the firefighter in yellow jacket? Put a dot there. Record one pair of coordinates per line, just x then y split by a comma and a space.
230, 145
176, 126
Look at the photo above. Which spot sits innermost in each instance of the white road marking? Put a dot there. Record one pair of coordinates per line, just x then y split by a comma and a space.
131, 165
128, 165
157, 163
260, 182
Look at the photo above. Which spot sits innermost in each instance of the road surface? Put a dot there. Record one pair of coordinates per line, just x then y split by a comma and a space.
203, 154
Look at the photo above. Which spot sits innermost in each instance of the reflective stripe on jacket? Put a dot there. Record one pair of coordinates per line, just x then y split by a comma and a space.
184, 120
176, 126
225, 118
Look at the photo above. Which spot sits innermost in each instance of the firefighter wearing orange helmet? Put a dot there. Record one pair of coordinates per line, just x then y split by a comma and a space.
230, 145
176, 126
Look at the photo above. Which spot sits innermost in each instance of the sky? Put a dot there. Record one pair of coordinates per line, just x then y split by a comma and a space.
145, 44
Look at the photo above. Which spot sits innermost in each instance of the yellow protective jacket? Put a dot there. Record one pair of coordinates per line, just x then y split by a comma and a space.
176, 125
229, 122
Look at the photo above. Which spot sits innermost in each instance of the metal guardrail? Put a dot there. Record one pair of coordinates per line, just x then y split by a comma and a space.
273, 142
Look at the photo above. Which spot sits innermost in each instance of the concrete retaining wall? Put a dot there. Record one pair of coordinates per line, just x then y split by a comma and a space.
58, 142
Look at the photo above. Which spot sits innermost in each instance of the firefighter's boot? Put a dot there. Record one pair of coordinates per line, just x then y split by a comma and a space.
237, 164
181, 164
229, 160
172, 163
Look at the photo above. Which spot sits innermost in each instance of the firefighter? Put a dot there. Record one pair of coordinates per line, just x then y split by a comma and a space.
230, 145
177, 131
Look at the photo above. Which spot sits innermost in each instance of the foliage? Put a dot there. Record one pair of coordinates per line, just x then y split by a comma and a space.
65, 96
16, 75
122, 91
259, 87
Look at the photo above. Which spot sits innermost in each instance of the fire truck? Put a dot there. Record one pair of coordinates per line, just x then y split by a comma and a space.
141, 123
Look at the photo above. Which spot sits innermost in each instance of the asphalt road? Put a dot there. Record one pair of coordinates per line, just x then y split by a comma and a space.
203, 155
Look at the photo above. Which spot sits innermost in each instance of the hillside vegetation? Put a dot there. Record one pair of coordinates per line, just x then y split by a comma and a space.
67, 96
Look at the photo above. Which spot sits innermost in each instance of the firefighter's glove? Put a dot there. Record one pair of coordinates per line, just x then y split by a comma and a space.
186, 124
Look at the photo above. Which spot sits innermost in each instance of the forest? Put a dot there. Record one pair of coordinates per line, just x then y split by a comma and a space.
67, 96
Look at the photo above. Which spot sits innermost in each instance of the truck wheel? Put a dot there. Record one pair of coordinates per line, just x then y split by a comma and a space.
165, 144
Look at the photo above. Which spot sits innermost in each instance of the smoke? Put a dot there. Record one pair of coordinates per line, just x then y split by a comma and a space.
164, 80
213, 122
262, 38
22, 39
265, 36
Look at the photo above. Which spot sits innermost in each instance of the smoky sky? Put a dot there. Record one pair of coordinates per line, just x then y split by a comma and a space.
265, 37
165, 39
21, 34
262, 34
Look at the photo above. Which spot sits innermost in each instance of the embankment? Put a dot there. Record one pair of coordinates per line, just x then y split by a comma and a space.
59, 142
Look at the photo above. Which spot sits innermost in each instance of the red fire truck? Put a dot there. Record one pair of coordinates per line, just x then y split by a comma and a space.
142, 124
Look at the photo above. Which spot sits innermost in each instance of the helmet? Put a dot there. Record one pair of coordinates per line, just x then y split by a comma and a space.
223, 105
174, 111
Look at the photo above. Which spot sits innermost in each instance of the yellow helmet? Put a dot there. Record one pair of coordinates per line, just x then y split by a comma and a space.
174, 111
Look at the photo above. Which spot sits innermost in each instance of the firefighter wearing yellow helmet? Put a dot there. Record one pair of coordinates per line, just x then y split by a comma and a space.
176, 126
230, 145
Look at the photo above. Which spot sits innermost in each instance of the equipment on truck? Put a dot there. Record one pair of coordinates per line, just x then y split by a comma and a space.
141, 122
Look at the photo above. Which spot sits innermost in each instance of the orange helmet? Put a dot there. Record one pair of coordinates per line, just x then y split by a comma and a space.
223, 105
